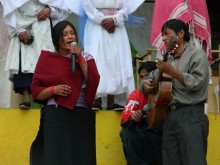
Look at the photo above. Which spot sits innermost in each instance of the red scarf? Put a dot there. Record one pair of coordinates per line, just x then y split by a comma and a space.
53, 69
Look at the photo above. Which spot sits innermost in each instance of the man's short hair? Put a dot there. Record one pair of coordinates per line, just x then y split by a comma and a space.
177, 25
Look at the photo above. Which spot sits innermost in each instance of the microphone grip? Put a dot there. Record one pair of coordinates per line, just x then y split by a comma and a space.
73, 57
144, 111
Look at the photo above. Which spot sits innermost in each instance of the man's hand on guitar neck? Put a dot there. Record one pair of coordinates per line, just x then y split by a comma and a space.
165, 67
170, 70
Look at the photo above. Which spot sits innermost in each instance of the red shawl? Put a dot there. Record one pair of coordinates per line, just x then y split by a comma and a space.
53, 69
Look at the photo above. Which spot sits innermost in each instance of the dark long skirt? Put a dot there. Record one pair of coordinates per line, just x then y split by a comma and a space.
65, 137
21, 81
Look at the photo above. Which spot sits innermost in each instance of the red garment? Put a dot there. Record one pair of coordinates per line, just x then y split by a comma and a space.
53, 69
136, 101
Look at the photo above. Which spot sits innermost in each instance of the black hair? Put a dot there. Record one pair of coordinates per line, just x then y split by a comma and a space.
57, 32
177, 25
148, 65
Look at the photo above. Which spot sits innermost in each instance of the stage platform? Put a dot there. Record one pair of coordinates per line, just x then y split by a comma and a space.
18, 129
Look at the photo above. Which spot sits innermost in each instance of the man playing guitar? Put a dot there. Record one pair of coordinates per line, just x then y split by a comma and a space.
185, 128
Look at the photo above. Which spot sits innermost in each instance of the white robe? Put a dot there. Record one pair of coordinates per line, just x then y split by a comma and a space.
5, 84
22, 15
111, 52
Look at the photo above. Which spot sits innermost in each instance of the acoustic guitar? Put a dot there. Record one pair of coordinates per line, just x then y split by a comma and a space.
160, 99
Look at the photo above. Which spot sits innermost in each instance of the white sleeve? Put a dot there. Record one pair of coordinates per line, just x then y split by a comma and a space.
121, 15
92, 13
57, 13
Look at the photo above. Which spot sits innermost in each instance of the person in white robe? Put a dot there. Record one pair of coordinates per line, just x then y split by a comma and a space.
5, 84
105, 37
26, 18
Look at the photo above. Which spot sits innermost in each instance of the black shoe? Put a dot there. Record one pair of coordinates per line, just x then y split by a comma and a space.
25, 105
116, 107
96, 107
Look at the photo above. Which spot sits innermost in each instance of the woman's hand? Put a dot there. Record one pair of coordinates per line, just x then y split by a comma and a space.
81, 60
43, 14
62, 90
75, 50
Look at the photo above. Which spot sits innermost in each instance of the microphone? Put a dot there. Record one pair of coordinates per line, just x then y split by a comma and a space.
133, 123
73, 57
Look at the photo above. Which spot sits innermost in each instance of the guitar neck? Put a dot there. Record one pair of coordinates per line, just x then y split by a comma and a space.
160, 77
166, 55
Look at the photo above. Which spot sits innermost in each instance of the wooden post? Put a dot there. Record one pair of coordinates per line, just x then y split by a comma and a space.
217, 60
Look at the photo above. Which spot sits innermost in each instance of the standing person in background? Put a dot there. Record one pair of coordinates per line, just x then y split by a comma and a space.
5, 84
185, 131
141, 145
106, 38
67, 127
29, 30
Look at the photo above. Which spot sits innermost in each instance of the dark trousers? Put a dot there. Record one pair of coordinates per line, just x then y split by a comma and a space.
185, 136
141, 146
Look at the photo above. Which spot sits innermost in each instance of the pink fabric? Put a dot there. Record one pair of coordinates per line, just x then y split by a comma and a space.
202, 24
163, 11
193, 12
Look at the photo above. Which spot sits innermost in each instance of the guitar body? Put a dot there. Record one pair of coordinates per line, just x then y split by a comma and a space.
159, 103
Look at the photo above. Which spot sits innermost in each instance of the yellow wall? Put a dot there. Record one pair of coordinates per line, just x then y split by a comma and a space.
18, 128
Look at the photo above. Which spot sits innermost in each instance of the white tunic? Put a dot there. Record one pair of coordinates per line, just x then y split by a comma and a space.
5, 84
23, 16
111, 52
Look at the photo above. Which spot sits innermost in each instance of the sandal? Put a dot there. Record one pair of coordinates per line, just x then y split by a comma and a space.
25, 105
96, 107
